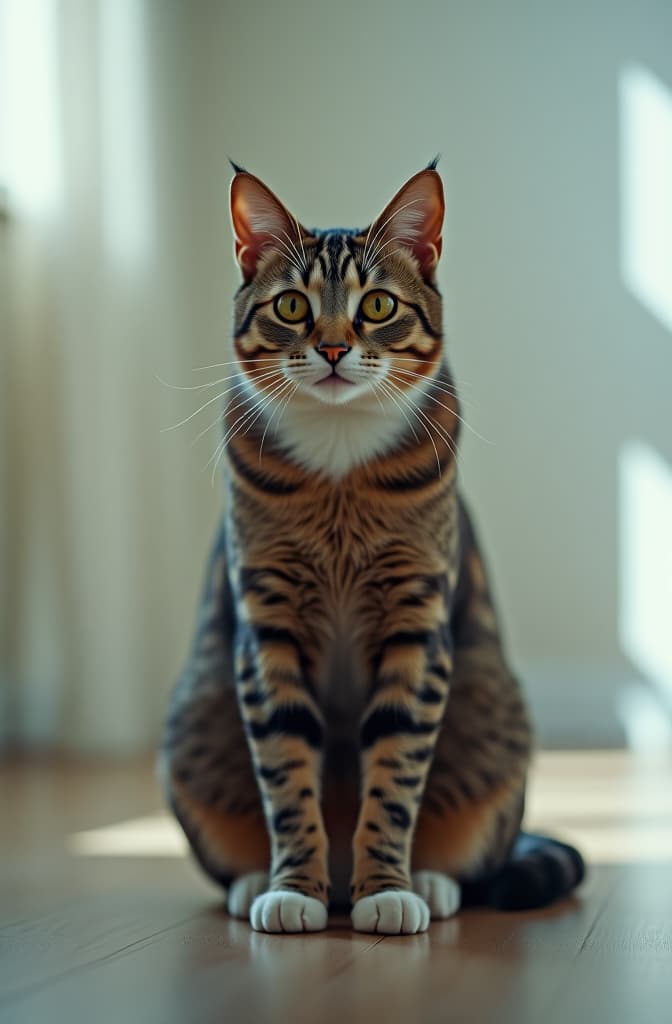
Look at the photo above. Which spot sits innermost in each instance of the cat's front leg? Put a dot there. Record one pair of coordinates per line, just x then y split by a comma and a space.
398, 735
285, 734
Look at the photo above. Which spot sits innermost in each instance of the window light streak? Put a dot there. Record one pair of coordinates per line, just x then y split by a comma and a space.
124, 140
31, 163
646, 190
646, 566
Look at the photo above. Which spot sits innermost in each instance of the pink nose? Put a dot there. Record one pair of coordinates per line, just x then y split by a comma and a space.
332, 352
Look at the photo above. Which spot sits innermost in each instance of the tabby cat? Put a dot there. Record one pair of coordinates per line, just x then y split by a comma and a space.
347, 727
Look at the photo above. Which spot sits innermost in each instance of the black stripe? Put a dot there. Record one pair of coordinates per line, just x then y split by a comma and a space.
420, 755
382, 858
407, 781
275, 333
245, 326
275, 634
292, 720
345, 264
428, 695
426, 326
397, 814
394, 332
416, 479
403, 638
259, 478
296, 860
391, 722
283, 822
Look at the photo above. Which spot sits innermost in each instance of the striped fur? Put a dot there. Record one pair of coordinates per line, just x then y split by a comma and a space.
347, 714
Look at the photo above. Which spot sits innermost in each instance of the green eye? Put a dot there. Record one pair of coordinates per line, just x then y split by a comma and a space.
378, 306
292, 307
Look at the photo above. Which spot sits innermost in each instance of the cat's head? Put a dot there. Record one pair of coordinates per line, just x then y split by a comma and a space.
342, 321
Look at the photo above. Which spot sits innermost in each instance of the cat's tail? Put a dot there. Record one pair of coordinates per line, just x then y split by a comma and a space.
539, 870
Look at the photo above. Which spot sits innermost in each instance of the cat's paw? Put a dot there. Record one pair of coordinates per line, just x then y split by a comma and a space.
440, 892
393, 912
244, 891
284, 911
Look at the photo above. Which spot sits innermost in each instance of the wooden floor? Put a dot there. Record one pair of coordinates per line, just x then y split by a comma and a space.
104, 919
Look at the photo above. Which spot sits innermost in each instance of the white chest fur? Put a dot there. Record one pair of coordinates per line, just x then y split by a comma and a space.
336, 439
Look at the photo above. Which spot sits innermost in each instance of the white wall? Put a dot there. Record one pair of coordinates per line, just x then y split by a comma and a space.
334, 105
107, 521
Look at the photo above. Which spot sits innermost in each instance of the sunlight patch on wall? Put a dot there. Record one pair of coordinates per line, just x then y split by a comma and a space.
125, 143
646, 587
30, 162
646, 190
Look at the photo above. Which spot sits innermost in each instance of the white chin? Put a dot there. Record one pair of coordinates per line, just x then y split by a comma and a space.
334, 391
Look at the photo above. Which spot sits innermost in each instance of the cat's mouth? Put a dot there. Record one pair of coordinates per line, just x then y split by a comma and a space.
334, 382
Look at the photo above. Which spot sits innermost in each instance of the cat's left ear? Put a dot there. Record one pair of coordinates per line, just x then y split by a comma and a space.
414, 219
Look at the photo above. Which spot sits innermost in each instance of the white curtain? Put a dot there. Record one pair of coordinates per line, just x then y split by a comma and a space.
105, 520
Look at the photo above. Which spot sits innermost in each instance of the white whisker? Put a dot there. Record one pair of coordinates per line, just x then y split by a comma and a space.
232, 390
282, 398
205, 405
410, 405
232, 429
233, 362
196, 387
446, 407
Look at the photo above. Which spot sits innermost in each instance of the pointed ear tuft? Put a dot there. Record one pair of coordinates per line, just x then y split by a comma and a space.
413, 220
261, 222
237, 169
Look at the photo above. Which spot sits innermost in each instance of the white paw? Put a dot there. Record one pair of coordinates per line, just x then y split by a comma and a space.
244, 891
285, 911
441, 894
393, 912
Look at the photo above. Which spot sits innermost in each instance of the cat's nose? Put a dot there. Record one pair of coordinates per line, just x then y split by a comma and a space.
333, 351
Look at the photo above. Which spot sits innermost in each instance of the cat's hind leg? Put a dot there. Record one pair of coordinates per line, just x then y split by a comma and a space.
210, 785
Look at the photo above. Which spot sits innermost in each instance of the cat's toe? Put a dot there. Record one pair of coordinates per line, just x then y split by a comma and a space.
284, 911
244, 891
393, 912
440, 892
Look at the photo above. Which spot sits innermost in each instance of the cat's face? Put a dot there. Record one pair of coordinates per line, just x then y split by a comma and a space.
338, 318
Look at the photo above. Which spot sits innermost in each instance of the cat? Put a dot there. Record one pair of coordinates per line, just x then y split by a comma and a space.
347, 716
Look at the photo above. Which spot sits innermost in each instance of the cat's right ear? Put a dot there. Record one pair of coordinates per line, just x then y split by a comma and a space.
260, 222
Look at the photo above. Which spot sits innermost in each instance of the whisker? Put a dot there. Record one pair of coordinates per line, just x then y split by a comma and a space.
447, 408
232, 429
437, 426
389, 394
197, 387
233, 362
205, 405
232, 389
277, 425
448, 389
282, 398
372, 385
410, 405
